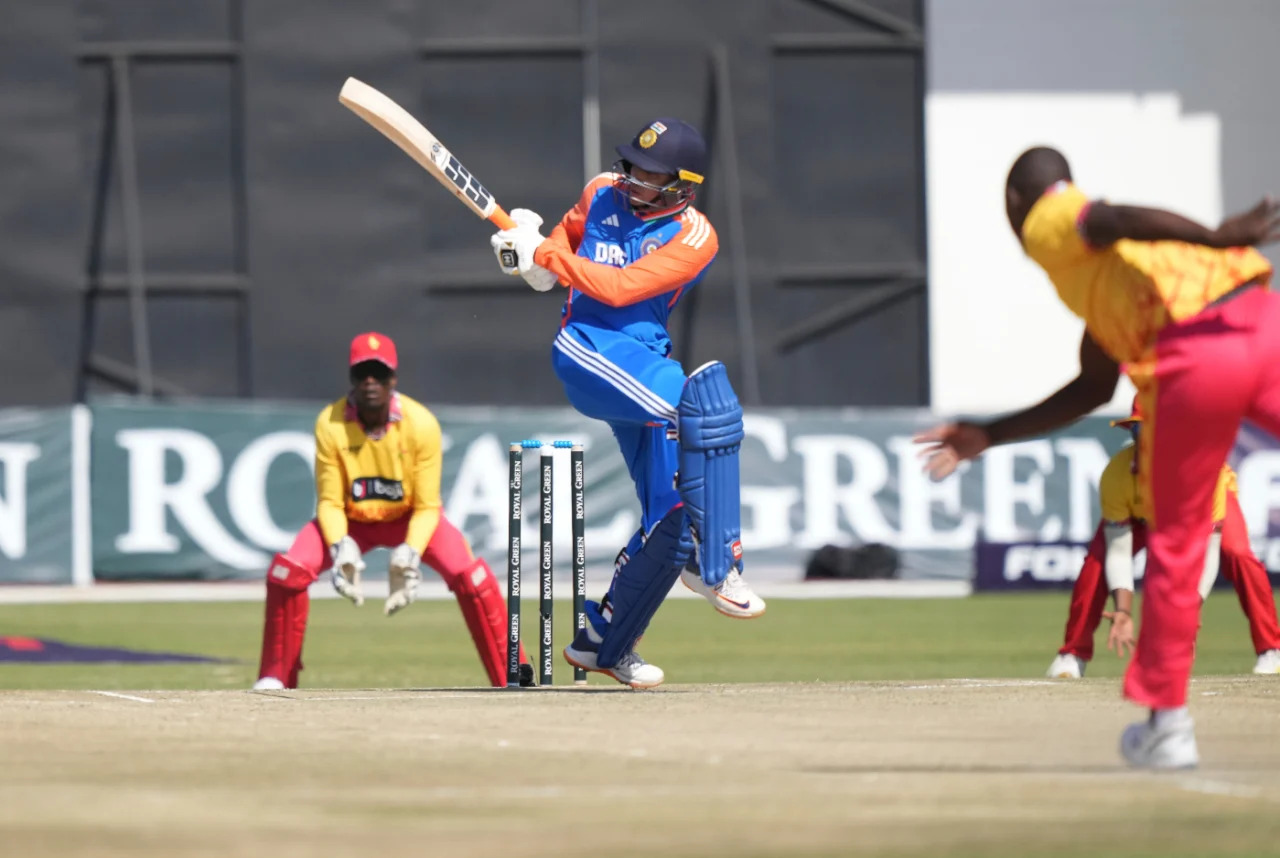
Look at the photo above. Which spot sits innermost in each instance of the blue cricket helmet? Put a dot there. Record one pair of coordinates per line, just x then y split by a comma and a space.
670, 146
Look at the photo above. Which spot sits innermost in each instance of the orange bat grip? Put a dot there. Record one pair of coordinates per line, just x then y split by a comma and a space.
501, 219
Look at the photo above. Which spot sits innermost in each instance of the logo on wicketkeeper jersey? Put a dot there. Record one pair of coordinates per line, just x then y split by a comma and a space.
376, 488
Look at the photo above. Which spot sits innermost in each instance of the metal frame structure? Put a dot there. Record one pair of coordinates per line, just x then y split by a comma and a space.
119, 152
874, 286
719, 124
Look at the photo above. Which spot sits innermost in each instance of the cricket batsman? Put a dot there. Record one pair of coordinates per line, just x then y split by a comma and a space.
378, 462
1188, 312
626, 253
1108, 567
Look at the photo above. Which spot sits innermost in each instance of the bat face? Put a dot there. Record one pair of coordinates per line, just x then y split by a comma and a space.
418, 143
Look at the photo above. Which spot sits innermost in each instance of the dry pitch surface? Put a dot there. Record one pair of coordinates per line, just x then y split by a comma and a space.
963, 767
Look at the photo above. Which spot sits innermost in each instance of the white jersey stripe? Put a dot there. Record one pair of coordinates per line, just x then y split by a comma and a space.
632, 388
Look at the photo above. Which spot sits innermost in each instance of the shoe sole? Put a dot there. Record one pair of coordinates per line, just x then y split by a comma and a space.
732, 614
640, 686
1181, 767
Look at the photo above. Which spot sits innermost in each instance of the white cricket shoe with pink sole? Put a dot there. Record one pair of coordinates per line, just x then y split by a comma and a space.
732, 597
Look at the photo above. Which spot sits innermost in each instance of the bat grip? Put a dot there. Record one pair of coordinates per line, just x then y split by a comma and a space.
501, 219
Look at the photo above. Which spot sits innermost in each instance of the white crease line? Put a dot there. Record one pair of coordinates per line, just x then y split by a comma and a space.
123, 696
424, 696
370, 697
965, 684
1208, 787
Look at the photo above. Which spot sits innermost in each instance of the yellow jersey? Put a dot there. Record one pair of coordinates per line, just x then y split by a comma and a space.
379, 477
1127, 292
1122, 497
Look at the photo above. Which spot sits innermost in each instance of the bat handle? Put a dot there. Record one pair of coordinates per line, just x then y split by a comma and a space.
501, 219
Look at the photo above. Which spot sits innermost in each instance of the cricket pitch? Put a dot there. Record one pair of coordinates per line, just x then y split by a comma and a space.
947, 767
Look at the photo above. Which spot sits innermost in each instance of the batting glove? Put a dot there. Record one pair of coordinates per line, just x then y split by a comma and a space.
347, 566
517, 245
403, 576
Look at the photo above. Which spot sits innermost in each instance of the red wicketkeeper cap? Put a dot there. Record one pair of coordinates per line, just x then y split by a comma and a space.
373, 346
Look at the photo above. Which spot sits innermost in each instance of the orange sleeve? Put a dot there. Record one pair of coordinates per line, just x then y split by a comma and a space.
567, 234
331, 493
666, 269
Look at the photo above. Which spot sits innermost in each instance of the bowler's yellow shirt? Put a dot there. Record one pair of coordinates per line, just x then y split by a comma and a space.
1121, 494
381, 478
1127, 292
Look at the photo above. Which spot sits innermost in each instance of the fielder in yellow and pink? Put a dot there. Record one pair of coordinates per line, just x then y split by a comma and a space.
1188, 313
378, 463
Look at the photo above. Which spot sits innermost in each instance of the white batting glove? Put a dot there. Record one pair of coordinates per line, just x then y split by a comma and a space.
403, 576
347, 566
515, 248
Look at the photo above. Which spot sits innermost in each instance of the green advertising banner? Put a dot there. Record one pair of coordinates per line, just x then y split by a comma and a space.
127, 490
212, 490
44, 536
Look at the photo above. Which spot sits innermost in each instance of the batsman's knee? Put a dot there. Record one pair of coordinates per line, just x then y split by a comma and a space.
710, 414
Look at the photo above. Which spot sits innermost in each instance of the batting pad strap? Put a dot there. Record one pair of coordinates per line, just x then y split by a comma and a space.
1118, 565
641, 585
286, 572
1212, 558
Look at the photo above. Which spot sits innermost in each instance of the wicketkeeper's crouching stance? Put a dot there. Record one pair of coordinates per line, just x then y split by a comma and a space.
378, 462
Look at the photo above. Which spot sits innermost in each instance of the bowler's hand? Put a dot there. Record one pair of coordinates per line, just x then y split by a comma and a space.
946, 446
1259, 225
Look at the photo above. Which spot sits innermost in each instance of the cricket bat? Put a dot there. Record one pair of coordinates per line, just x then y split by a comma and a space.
422, 146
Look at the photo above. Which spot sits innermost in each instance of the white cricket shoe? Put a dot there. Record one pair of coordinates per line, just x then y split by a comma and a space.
732, 597
1268, 662
1066, 666
1172, 745
268, 683
631, 669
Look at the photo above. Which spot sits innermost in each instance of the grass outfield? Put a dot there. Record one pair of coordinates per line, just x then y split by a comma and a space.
824, 729
427, 645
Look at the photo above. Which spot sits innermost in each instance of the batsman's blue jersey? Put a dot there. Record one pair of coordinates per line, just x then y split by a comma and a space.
625, 275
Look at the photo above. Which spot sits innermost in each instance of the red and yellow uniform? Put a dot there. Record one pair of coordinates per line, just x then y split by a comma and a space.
383, 477
1128, 292
380, 487
1122, 495
1123, 502
1203, 347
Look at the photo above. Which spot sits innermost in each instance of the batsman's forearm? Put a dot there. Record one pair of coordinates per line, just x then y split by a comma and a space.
1061, 409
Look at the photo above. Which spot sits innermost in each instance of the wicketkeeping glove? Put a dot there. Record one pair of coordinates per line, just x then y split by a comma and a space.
403, 577
347, 566
520, 243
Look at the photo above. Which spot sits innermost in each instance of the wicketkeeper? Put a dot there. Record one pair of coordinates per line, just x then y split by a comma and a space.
378, 461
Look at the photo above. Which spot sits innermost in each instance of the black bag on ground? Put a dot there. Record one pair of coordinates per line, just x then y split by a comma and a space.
865, 562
